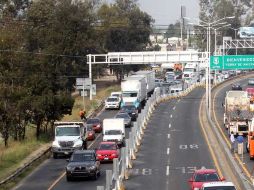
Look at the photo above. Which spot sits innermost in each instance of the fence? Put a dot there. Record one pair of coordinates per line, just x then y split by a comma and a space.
115, 178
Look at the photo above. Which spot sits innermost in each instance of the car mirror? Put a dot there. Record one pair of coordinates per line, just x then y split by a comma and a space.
68, 160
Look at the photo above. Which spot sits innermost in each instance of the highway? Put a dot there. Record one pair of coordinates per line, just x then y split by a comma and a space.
51, 173
218, 98
173, 147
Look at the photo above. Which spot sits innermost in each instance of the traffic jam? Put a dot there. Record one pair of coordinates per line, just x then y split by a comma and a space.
71, 138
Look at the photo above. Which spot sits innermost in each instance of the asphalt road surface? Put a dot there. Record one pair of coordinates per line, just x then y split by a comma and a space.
50, 174
219, 111
173, 147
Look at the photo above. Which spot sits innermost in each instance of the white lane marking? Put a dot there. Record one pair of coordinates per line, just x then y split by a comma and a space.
178, 100
168, 136
167, 171
169, 126
171, 116
174, 108
168, 150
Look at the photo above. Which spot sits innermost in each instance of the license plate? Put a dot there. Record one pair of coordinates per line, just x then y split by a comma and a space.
66, 153
105, 158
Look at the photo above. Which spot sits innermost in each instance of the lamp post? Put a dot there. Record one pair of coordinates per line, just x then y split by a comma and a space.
215, 46
208, 26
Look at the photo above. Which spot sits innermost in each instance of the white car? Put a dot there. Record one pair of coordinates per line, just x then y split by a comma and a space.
251, 81
117, 94
218, 186
112, 102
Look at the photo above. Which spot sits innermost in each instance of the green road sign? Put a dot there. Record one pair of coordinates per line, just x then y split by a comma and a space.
232, 62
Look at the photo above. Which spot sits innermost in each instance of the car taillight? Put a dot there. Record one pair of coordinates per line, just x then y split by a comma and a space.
98, 154
90, 134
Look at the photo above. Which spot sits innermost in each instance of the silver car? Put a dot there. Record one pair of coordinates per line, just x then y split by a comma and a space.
126, 117
251, 81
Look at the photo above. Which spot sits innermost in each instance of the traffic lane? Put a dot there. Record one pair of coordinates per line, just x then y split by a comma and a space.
149, 170
219, 112
51, 169
79, 183
42, 177
167, 162
84, 183
188, 148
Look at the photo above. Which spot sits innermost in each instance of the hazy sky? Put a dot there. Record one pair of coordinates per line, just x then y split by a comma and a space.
168, 11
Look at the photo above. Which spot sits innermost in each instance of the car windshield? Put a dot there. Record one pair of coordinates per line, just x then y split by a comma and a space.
112, 99
116, 95
220, 188
78, 157
113, 132
127, 108
125, 116
107, 147
92, 121
206, 177
67, 131
130, 94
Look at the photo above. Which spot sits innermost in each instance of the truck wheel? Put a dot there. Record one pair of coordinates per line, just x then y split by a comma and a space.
55, 156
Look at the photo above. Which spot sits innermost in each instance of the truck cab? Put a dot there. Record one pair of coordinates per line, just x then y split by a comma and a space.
69, 136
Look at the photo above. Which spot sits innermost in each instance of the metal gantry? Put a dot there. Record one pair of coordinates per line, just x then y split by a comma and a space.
229, 43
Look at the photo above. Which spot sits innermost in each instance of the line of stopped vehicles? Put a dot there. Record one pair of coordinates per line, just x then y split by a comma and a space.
71, 137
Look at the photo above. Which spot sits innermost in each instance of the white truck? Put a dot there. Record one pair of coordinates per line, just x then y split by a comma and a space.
69, 136
114, 130
237, 114
133, 91
191, 72
150, 80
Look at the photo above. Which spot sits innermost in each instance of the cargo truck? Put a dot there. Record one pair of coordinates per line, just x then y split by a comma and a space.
114, 130
69, 136
237, 114
149, 78
133, 91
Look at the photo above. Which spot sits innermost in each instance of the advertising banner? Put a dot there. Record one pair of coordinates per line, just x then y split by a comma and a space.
246, 32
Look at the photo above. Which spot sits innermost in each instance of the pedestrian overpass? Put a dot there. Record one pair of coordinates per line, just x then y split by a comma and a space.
146, 57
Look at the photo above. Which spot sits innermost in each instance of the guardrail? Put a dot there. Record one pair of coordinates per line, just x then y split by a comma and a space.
20, 170
115, 178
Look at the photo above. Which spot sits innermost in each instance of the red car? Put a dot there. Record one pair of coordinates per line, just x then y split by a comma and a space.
107, 151
90, 133
95, 123
202, 176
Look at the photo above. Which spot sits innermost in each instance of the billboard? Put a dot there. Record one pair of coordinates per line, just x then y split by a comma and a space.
246, 32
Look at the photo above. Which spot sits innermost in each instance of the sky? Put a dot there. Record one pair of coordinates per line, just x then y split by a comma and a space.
167, 12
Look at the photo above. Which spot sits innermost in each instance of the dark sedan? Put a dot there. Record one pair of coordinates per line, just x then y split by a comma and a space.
96, 123
83, 163
131, 110
236, 87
